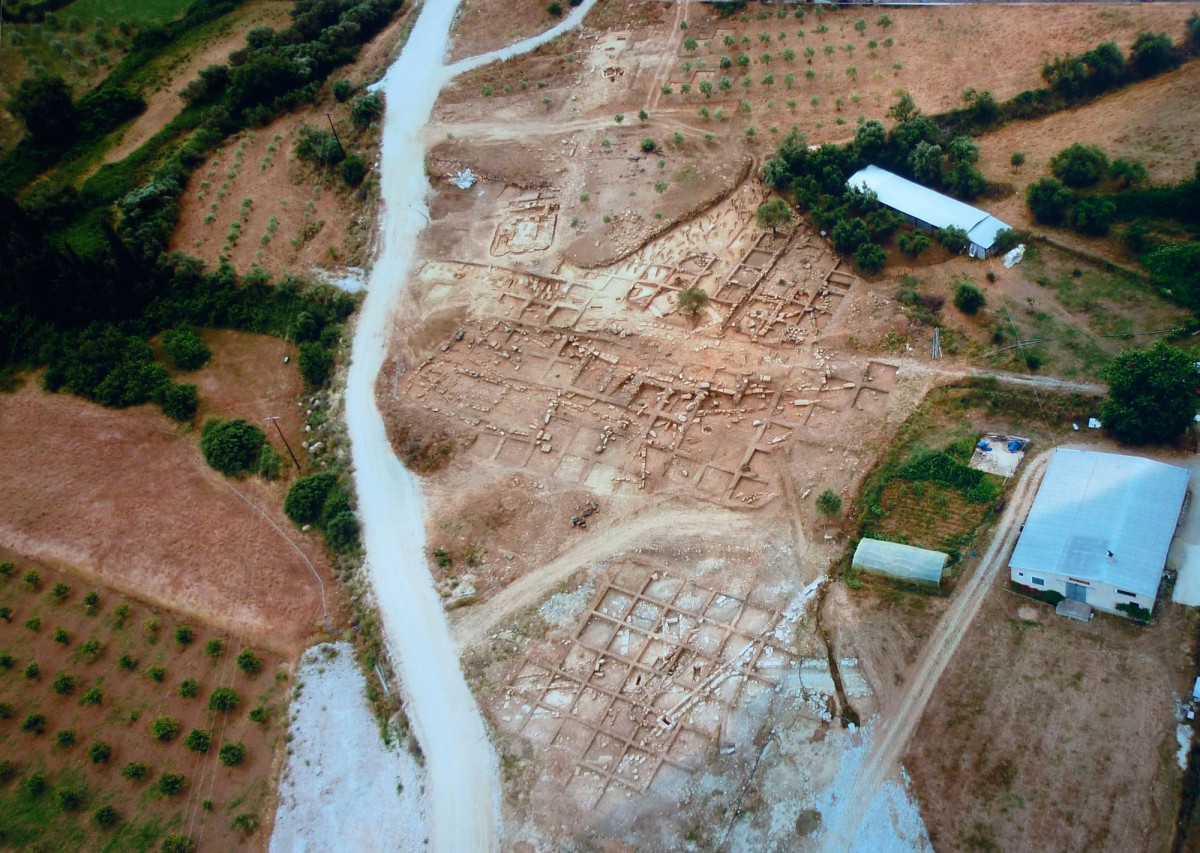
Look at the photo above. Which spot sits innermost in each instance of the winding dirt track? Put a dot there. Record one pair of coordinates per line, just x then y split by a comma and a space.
901, 719
470, 627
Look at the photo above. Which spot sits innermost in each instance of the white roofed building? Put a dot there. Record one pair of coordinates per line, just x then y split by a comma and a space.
930, 209
1099, 529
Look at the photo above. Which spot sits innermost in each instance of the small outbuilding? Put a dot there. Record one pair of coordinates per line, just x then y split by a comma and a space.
1100, 528
929, 209
902, 562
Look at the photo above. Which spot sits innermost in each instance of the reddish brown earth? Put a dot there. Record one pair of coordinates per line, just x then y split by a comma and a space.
131, 700
124, 497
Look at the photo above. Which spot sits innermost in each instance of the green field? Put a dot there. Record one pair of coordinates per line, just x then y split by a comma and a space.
136, 12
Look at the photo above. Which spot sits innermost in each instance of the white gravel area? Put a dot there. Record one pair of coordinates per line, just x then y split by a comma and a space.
891, 823
343, 788
564, 608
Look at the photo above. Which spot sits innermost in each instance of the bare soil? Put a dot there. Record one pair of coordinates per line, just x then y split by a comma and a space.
484, 25
131, 699
1152, 122
544, 342
152, 519
298, 217
1054, 734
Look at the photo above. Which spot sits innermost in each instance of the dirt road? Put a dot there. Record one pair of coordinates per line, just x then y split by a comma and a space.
900, 720
473, 625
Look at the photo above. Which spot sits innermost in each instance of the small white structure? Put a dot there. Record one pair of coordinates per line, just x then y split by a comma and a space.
1100, 528
903, 562
930, 209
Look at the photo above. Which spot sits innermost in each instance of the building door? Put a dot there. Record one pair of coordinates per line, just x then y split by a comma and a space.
1077, 592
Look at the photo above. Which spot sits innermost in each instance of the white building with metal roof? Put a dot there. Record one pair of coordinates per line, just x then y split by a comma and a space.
1099, 529
930, 209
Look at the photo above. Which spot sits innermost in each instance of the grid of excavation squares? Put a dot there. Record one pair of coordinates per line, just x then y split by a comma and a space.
648, 680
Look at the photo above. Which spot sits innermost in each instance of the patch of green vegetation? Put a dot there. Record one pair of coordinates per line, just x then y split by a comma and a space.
139, 13
922, 492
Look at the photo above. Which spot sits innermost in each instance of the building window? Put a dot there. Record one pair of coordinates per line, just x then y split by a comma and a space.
1126, 592
1039, 581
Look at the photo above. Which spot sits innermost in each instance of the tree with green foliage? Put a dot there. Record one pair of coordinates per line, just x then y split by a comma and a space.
164, 728
1151, 395
968, 298
198, 740
1175, 267
848, 234
341, 90
870, 258
1048, 201
224, 699
773, 214
171, 784
187, 349
316, 364
952, 237
306, 498
232, 754
1079, 165
925, 163
692, 299
319, 146
232, 447
1128, 173
44, 104
341, 531
829, 503
248, 662
106, 817
178, 844
913, 243
1153, 53
366, 110
1092, 216
1017, 160
354, 170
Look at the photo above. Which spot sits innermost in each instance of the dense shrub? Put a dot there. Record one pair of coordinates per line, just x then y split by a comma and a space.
366, 110
1092, 216
319, 147
134, 771
1079, 165
306, 498
164, 728
232, 447
248, 662
1049, 201
968, 298
223, 699
44, 104
341, 531
952, 237
316, 364
171, 784
354, 170
870, 258
187, 349
232, 754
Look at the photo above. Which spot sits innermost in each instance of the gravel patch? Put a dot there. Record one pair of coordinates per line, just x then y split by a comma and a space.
343, 788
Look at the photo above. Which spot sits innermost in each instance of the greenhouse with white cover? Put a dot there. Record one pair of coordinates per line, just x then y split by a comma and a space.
902, 562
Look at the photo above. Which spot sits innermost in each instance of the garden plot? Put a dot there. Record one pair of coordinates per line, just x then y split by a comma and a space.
660, 674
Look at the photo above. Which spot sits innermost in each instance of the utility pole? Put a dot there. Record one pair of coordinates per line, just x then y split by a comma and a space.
275, 420
335, 136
